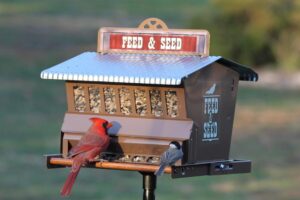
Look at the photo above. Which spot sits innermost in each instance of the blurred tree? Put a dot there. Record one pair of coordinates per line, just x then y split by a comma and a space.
259, 33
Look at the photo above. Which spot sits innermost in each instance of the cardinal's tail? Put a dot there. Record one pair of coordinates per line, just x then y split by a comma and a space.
160, 170
66, 189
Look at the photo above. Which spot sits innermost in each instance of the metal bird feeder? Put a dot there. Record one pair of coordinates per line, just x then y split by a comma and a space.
155, 85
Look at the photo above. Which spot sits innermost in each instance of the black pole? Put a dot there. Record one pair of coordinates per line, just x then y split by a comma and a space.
149, 185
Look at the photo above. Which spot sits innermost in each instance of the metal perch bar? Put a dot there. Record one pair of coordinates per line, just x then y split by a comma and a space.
107, 165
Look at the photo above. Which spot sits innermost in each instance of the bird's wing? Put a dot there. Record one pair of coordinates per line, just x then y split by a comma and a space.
87, 143
170, 156
164, 159
175, 155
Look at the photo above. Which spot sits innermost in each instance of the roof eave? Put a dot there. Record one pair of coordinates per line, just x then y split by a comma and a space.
246, 74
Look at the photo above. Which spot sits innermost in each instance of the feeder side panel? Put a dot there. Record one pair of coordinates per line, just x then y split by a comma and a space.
70, 96
210, 102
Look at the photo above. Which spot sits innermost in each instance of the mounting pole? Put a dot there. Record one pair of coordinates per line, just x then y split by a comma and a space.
149, 185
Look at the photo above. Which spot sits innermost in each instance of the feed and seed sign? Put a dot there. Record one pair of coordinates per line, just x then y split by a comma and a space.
130, 40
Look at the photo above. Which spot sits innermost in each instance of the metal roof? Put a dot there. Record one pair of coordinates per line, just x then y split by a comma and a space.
134, 68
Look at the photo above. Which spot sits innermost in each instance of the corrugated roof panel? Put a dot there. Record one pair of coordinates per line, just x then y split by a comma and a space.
128, 68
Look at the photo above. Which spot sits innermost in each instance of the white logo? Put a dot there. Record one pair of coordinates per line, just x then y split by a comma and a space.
211, 108
211, 89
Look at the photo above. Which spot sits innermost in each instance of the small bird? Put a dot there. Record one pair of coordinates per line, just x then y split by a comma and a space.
89, 146
169, 157
211, 89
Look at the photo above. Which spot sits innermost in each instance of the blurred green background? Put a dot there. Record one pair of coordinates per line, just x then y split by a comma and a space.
38, 34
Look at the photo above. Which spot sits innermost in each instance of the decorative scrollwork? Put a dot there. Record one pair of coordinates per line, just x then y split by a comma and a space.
153, 24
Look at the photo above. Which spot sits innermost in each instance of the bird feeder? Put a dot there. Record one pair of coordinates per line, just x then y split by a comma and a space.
155, 85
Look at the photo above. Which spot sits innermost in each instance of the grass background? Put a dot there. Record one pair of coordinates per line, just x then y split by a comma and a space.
35, 35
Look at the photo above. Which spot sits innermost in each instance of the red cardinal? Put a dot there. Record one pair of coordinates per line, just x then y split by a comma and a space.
90, 145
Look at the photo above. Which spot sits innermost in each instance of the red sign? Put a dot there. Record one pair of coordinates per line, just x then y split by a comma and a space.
152, 42
193, 42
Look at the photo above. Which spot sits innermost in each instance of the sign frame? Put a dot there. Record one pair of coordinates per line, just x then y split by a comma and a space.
104, 33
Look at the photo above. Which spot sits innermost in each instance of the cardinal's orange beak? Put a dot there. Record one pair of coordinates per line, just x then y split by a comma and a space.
109, 125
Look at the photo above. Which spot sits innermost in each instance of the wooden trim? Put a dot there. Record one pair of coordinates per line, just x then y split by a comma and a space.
65, 148
87, 97
164, 102
148, 102
132, 99
70, 97
112, 165
181, 104
158, 22
132, 116
117, 99
133, 88
102, 99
